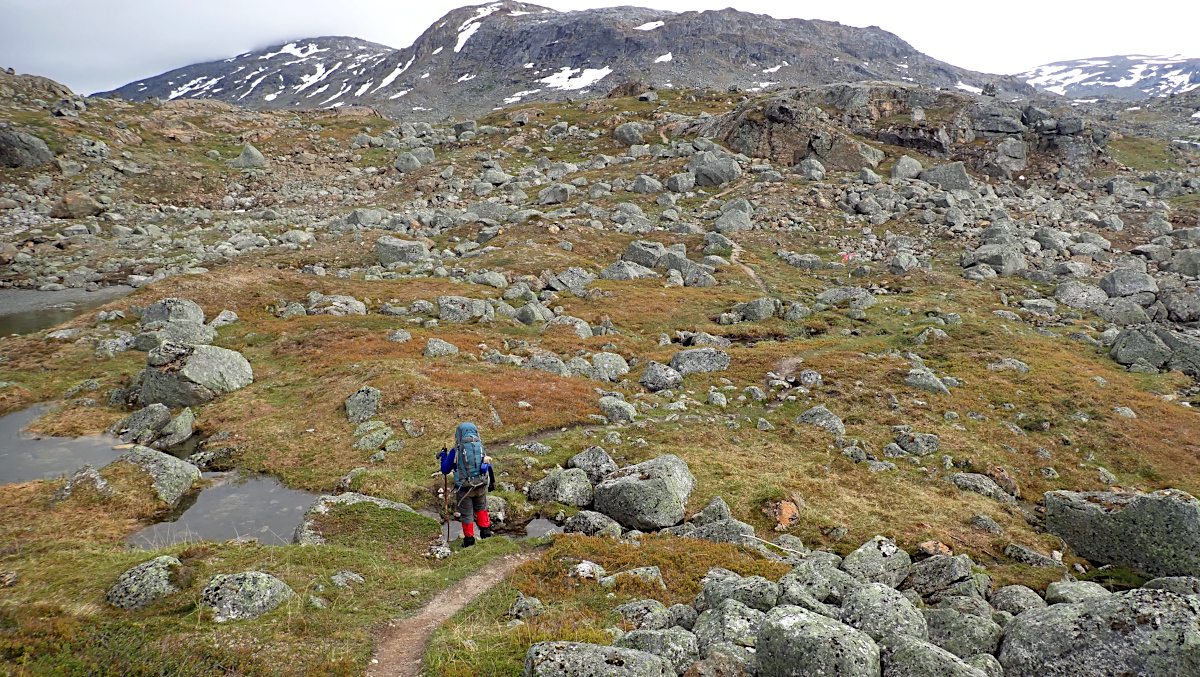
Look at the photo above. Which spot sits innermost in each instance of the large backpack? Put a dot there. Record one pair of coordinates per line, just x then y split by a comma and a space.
468, 471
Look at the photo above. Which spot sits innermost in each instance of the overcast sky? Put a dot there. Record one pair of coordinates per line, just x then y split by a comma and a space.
93, 46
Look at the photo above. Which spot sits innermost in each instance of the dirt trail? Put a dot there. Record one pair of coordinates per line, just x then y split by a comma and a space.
735, 258
403, 644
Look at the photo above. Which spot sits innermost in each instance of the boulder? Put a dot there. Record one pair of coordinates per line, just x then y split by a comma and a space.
19, 150
823, 418
1157, 533
1016, 599
250, 158
731, 629
394, 250
617, 410
910, 657
723, 531
1140, 343
307, 533
810, 169
145, 583
463, 309
963, 635
879, 560
577, 659
699, 360
436, 347
569, 487
144, 424
786, 131
906, 168
714, 168
675, 645
980, 484
406, 162
76, 205
630, 133
242, 596
173, 310
170, 476
951, 176
1126, 282
180, 375
591, 523
816, 580
1149, 633
363, 405
595, 462
1071, 592
934, 574
609, 366
793, 641
881, 612
648, 495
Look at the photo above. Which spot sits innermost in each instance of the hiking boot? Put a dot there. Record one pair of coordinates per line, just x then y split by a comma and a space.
485, 532
468, 541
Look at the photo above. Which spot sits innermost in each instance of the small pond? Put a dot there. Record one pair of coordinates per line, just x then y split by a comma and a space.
25, 456
231, 506
24, 311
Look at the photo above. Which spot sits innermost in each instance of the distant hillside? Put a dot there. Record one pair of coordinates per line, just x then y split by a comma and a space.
1117, 77
477, 58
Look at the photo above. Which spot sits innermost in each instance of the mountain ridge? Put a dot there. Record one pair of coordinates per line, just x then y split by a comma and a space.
477, 58
1131, 76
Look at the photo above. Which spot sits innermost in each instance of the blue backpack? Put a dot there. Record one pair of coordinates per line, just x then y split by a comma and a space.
468, 471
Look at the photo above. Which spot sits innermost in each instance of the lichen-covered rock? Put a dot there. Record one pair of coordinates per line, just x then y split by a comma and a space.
577, 659
145, 583
657, 376
1016, 599
699, 360
363, 405
755, 592
1149, 633
910, 657
590, 523
879, 560
1158, 533
436, 347
880, 611
731, 628
246, 595
1070, 592
724, 531
822, 581
617, 409
823, 418
649, 495
675, 645
171, 477
961, 634
179, 375
937, 573
792, 642
595, 462
569, 487
306, 532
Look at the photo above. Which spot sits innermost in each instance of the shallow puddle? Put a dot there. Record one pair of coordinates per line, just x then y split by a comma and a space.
25, 312
25, 456
232, 506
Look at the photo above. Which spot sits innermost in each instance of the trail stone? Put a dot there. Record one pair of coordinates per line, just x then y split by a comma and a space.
1150, 633
179, 375
1158, 533
793, 641
145, 583
363, 405
878, 560
648, 495
250, 594
171, 477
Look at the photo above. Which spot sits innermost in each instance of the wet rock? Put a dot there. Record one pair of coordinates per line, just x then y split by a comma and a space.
243, 596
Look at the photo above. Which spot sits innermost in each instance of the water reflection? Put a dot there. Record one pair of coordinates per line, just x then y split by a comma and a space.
25, 456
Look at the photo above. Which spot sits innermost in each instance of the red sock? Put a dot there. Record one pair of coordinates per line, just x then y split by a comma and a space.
482, 518
469, 530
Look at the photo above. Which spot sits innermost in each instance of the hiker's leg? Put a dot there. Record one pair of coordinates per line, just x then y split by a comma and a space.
466, 511
481, 514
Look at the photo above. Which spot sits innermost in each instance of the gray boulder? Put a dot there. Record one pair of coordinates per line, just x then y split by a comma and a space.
19, 150
682, 182
648, 495
609, 366
699, 360
963, 635
906, 168
1126, 282
363, 405
880, 611
1140, 344
910, 657
394, 250
250, 158
170, 476
569, 487
143, 425
817, 580
577, 659
250, 594
1158, 533
617, 410
793, 642
822, 417
626, 271
463, 309
810, 169
630, 133
755, 592
173, 310
1079, 295
595, 462
714, 168
436, 347
406, 162
1071, 592
716, 510
723, 531
1149, 633
980, 484
952, 176
657, 376
1016, 599
675, 645
591, 523
307, 532
934, 574
732, 629
145, 583
879, 560
179, 375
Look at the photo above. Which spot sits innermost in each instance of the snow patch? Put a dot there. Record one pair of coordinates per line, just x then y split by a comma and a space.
307, 81
650, 26
968, 88
664, 58
363, 90
425, 76
399, 94
467, 77
464, 36
517, 97
1196, 114
775, 69
529, 65
394, 74
271, 97
437, 51
566, 79
290, 48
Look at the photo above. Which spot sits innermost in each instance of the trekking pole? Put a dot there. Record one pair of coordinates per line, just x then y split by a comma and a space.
446, 496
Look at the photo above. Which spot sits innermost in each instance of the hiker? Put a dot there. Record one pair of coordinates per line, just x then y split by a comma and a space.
473, 478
